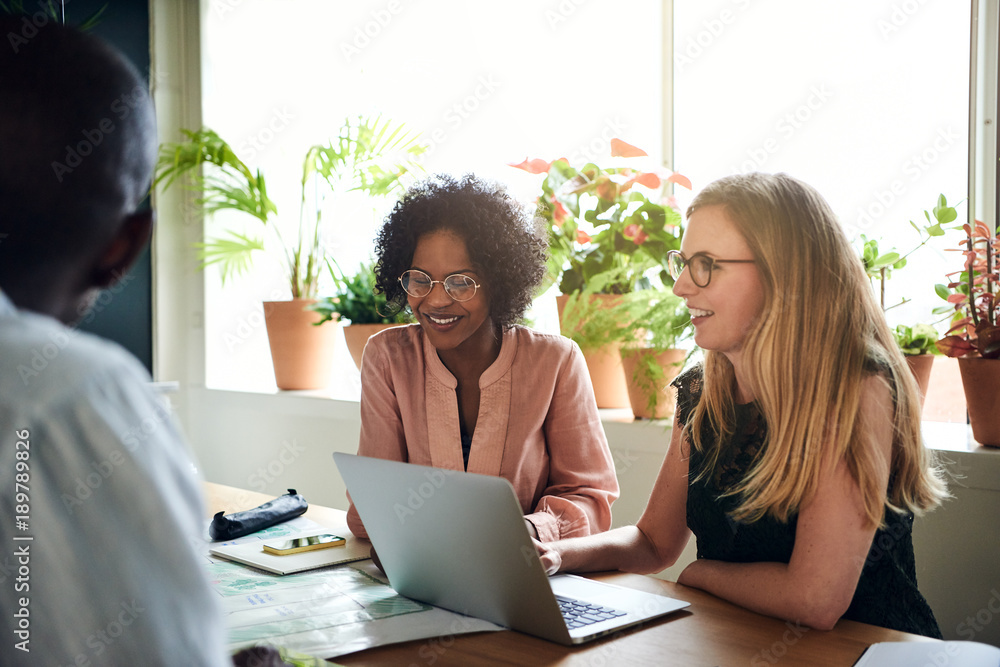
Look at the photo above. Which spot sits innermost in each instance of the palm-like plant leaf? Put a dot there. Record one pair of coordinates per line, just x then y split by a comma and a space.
370, 155
233, 253
221, 194
236, 188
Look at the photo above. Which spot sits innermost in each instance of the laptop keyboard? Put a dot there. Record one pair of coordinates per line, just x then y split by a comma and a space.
579, 613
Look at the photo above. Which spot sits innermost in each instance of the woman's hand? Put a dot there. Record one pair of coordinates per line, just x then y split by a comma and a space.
550, 557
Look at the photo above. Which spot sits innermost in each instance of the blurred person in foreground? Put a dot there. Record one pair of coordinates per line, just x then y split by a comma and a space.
102, 507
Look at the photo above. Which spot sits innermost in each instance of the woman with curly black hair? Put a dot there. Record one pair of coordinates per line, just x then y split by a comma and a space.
467, 387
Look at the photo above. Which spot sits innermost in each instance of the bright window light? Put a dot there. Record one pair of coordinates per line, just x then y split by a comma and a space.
867, 101
487, 84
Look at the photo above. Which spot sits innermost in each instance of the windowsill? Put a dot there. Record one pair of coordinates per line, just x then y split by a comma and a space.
342, 400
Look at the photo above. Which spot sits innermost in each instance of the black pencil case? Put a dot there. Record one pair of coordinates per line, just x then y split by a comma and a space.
270, 513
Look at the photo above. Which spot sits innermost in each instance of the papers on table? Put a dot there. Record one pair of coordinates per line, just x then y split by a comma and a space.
324, 612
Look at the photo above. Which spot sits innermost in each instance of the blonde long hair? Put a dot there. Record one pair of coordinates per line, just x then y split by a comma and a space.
806, 358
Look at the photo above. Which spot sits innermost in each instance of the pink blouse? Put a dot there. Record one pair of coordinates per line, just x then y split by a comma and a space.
538, 424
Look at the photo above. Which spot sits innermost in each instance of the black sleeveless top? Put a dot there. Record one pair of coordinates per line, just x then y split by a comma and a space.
887, 593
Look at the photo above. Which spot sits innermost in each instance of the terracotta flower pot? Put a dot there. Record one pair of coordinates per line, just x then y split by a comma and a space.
920, 365
604, 364
608, 377
357, 335
302, 353
981, 381
641, 386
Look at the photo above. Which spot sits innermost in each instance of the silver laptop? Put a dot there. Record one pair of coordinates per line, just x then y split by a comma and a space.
458, 540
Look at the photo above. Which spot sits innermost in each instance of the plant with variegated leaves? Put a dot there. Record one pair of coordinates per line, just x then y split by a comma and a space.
607, 219
973, 294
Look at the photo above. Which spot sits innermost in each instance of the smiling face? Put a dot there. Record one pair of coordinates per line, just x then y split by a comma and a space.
451, 326
724, 312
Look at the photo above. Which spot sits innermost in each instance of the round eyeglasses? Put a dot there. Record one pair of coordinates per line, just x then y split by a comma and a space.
699, 265
458, 286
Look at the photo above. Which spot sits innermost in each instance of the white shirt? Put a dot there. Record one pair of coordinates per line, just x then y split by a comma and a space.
112, 502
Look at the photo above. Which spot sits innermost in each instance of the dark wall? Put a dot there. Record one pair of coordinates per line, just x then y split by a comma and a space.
124, 313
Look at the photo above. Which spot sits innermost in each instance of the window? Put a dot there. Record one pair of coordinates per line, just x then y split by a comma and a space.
486, 83
867, 101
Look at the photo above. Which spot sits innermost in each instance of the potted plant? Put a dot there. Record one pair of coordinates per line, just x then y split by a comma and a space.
916, 342
974, 337
644, 327
606, 221
651, 356
370, 155
357, 303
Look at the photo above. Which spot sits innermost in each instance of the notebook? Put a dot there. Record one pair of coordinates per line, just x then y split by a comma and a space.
458, 540
253, 554
950, 653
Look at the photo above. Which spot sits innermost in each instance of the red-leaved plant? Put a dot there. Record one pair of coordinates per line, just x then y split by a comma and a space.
973, 293
628, 230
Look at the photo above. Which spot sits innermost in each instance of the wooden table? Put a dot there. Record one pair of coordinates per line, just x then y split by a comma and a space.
709, 632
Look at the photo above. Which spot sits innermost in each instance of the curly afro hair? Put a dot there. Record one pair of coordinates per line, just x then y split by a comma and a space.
506, 243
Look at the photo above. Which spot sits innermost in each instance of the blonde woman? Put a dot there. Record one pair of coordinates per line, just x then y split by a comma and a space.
795, 457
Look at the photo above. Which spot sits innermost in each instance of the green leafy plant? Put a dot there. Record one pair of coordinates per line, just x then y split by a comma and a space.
654, 320
658, 322
916, 340
919, 338
370, 155
602, 220
973, 295
355, 300
594, 319
879, 266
